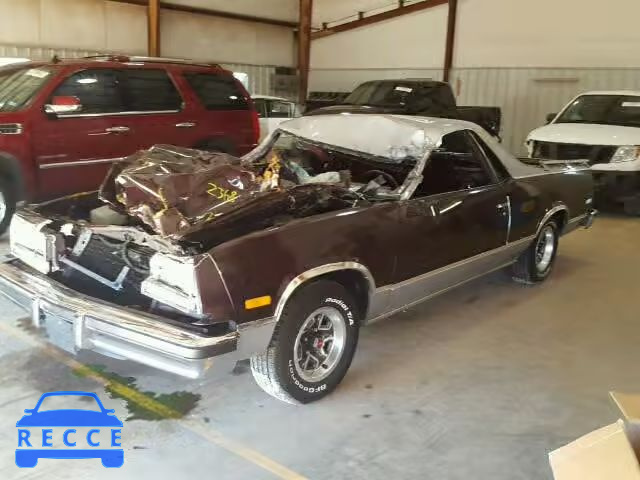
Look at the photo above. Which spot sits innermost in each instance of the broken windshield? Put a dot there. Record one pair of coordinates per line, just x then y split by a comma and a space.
291, 160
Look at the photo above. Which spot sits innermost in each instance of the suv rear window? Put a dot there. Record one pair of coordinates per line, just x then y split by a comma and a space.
217, 92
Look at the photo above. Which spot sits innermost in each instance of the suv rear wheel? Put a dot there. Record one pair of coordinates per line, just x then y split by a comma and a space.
312, 345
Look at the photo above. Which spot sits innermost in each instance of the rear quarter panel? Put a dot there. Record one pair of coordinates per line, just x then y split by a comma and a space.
532, 197
264, 263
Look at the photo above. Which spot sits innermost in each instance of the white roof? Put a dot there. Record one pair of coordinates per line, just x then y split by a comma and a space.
394, 137
269, 97
390, 136
613, 92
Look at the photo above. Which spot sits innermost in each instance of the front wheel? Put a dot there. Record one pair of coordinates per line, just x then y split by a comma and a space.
7, 204
536, 263
312, 345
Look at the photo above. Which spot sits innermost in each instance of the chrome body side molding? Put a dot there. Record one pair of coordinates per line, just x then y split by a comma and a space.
79, 163
391, 298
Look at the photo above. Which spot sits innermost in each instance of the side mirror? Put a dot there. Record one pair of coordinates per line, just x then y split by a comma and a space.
29, 410
551, 117
109, 411
63, 105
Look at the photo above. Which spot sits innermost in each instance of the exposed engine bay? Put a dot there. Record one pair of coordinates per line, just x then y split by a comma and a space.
169, 203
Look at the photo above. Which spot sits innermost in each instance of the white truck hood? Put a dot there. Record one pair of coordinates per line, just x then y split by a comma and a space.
586, 134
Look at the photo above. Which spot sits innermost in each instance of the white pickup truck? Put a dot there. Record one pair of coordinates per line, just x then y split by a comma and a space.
603, 128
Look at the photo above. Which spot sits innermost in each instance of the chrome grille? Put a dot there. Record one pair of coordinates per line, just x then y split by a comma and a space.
573, 151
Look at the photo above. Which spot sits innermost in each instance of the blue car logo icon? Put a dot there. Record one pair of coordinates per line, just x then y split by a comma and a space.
43, 431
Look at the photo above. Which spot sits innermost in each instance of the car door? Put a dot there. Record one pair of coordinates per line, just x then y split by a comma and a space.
227, 120
156, 112
458, 217
74, 151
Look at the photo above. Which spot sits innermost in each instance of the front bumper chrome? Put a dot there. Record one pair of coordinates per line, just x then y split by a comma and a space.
74, 322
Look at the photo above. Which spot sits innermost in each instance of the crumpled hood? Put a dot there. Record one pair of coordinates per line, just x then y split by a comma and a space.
172, 188
586, 134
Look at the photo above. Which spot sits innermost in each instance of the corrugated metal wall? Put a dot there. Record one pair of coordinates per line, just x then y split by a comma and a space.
525, 95
260, 76
39, 53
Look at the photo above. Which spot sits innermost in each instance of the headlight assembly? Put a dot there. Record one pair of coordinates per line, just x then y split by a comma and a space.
627, 153
32, 245
173, 281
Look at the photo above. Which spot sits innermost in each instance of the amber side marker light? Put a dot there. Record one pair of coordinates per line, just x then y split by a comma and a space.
257, 302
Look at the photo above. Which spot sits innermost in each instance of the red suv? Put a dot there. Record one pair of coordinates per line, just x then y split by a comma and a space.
63, 123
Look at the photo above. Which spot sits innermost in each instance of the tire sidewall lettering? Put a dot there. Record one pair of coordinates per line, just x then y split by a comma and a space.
345, 308
301, 384
342, 306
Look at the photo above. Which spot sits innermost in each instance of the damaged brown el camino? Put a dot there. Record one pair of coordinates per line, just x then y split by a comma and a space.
282, 255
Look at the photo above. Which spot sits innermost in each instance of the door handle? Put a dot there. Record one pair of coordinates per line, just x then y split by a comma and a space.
185, 125
117, 130
503, 208
422, 209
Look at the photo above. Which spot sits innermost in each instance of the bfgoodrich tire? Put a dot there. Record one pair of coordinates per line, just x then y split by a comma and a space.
312, 345
536, 263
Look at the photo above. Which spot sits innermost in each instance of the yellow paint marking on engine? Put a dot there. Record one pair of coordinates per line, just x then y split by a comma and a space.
257, 302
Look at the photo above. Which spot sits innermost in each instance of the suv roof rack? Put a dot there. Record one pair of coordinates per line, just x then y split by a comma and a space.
138, 58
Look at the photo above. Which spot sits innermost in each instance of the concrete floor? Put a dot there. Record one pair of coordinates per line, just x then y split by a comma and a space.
479, 383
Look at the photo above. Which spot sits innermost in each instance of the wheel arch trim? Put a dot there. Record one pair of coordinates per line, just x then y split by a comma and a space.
315, 272
558, 207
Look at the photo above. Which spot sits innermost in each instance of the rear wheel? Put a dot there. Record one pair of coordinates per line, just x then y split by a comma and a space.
312, 346
536, 263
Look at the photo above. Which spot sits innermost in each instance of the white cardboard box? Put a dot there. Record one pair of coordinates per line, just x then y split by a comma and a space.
609, 453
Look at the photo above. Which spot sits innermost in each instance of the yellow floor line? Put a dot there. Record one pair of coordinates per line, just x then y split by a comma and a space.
156, 407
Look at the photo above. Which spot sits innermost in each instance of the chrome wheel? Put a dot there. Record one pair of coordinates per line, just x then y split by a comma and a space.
319, 344
545, 248
3, 206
